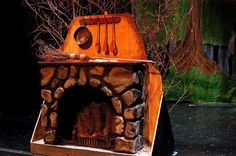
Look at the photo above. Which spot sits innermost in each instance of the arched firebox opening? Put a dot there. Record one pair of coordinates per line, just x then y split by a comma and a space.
85, 117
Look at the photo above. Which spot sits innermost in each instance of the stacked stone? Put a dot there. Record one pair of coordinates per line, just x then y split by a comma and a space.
123, 84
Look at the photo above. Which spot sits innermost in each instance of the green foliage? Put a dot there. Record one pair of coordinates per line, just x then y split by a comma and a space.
177, 19
180, 19
200, 87
218, 21
147, 9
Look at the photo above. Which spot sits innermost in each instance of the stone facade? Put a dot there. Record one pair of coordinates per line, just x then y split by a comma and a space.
122, 84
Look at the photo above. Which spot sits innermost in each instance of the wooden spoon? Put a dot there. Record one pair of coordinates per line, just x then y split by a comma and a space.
105, 44
113, 46
97, 44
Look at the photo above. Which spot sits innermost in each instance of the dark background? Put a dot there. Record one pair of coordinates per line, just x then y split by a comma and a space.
19, 69
19, 79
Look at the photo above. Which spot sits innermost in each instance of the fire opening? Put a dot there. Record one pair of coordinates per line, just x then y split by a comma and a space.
86, 118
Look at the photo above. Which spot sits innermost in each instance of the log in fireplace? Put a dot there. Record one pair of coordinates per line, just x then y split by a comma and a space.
98, 97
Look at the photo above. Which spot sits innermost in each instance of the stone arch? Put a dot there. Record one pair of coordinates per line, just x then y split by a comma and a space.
80, 105
63, 79
122, 84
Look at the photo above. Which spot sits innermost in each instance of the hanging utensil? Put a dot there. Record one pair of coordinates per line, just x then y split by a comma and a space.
105, 44
83, 36
113, 46
97, 44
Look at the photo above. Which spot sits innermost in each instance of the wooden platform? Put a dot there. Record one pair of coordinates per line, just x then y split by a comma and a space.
39, 147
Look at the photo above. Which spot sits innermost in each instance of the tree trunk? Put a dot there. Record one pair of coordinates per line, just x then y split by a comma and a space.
190, 51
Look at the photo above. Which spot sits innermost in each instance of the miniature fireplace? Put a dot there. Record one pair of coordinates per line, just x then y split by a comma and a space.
96, 106
98, 97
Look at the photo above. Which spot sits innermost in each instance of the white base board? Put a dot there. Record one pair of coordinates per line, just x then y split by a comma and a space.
39, 147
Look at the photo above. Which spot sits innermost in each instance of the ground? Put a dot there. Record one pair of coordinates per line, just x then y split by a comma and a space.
204, 129
200, 129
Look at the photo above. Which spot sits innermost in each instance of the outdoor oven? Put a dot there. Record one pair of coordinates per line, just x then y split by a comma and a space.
99, 91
